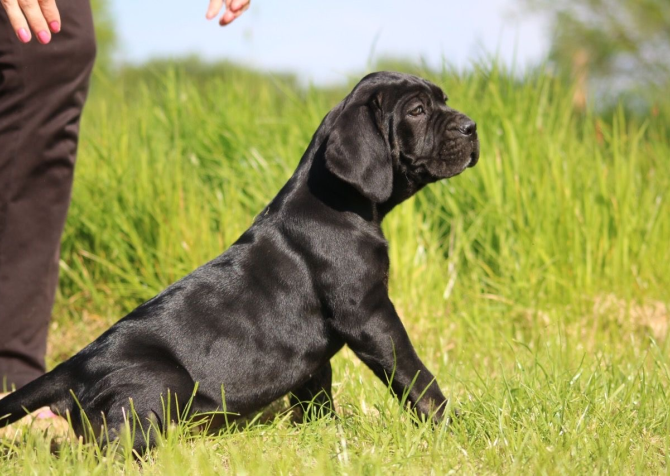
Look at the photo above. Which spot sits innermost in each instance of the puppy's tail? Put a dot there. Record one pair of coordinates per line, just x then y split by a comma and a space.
51, 389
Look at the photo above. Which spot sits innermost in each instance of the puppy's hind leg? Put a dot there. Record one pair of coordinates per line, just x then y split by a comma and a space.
136, 412
314, 398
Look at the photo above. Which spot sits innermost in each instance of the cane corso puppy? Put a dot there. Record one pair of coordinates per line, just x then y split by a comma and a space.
310, 275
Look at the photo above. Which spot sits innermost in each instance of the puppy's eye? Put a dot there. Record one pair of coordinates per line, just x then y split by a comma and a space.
417, 111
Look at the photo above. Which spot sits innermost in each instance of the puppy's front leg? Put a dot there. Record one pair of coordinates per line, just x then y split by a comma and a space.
380, 340
314, 398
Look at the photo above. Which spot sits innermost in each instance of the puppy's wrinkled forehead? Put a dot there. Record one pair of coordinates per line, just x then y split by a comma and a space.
396, 87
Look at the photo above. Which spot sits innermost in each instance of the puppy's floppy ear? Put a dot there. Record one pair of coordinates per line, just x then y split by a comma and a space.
358, 154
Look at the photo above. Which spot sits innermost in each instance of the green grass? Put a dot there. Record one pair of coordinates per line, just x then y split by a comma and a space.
535, 286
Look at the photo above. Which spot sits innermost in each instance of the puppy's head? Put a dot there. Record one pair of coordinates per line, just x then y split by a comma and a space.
392, 124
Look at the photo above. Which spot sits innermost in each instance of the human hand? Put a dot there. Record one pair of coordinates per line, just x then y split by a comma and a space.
234, 8
41, 15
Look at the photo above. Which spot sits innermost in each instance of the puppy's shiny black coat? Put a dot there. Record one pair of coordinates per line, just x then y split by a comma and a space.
264, 318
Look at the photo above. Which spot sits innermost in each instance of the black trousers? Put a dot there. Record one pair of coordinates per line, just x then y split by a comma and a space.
42, 92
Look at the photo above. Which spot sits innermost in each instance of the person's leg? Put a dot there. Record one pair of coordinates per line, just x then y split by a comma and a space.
42, 93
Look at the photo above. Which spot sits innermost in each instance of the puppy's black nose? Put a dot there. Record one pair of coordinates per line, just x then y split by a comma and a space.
468, 127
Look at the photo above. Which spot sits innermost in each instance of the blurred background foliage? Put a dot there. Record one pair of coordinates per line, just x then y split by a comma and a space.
105, 35
616, 50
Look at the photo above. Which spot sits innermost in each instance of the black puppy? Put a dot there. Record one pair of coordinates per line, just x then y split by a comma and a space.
264, 318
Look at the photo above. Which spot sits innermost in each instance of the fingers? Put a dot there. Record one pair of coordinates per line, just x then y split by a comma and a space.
214, 8
17, 20
51, 14
41, 15
36, 20
234, 8
227, 18
236, 5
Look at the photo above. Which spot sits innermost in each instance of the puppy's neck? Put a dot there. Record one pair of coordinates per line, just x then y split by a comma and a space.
403, 188
318, 182
336, 194
342, 197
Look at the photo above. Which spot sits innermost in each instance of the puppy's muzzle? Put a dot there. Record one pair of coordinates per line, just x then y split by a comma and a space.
468, 128
474, 155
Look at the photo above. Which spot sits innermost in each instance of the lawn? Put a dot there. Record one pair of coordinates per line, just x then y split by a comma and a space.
534, 286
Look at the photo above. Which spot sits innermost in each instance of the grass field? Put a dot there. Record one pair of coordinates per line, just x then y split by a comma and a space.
535, 285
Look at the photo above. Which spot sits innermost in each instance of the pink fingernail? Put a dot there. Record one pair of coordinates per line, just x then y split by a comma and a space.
24, 35
55, 26
44, 37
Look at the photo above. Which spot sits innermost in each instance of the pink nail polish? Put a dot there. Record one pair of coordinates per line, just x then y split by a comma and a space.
55, 26
24, 36
44, 37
